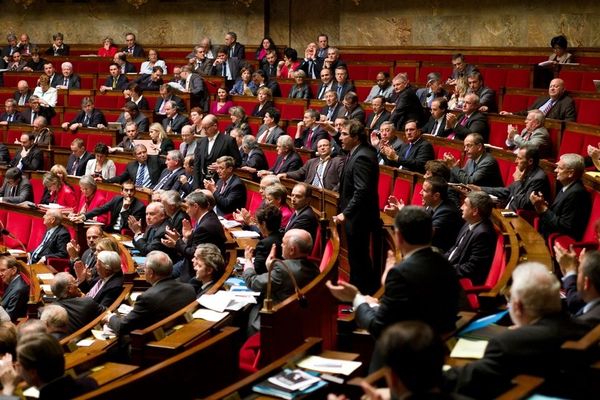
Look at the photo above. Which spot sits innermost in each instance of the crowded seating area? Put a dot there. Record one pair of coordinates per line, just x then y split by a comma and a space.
215, 216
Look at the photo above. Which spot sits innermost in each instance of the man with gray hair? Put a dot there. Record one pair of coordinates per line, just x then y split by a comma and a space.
173, 121
471, 120
156, 225
54, 242
287, 158
569, 212
532, 348
165, 296
255, 159
473, 253
169, 178
171, 201
109, 284
407, 103
534, 134
433, 89
80, 309
56, 320
68, 80
229, 191
189, 142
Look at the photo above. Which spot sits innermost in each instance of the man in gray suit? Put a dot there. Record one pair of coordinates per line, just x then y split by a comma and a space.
16, 187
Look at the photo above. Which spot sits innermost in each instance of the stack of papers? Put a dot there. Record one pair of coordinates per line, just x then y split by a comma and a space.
329, 365
209, 315
227, 223
245, 234
465, 348
290, 384
223, 300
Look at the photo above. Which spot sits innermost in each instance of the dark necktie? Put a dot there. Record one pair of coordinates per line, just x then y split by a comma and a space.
66, 82
185, 149
74, 167
408, 151
434, 129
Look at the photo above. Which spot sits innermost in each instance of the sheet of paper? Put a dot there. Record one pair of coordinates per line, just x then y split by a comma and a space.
209, 315
46, 289
102, 335
124, 309
32, 391
134, 295
128, 243
329, 365
245, 234
46, 277
227, 223
216, 302
85, 342
469, 349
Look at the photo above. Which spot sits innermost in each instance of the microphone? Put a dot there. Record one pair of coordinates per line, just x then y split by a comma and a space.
268, 302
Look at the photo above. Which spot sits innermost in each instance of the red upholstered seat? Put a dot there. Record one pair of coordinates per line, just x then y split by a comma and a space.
20, 226
385, 184
587, 111
291, 108
417, 198
402, 189
250, 355
576, 138
109, 100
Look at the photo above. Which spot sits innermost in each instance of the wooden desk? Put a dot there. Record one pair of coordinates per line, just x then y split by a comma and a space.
110, 372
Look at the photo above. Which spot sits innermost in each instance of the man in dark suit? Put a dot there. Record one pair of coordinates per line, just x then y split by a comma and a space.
120, 208
227, 67
473, 252
166, 95
327, 83
68, 80
199, 61
54, 243
528, 178
254, 158
379, 115
269, 64
211, 147
50, 72
234, 49
407, 103
132, 49
30, 157
433, 89
131, 113
116, 80
469, 121
35, 110
303, 217
359, 204
194, 85
11, 114
88, 117
270, 131
332, 108
423, 286
445, 217
287, 158
81, 310
533, 347
144, 171
84, 265
386, 143
353, 110
173, 121
125, 67
4, 155
482, 168
58, 48
557, 105
413, 154
323, 171
229, 192
169, 178
23, 93
16, 294
107, 287
164, 297
171, 201
487, 96
156, 225
78, 159
308, 132
436, 125
343, 84
572, 205
16, 187
208, 229
581, 282
296, 247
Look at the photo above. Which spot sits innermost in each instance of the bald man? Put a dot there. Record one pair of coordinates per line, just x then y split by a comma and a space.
54, 242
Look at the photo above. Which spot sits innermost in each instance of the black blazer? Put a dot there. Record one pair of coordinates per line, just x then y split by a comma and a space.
34, 160
331, 175
568, 213
64, 50
446, 221
114, 205
263, 248
55, 246
430, 125
24, 192
154, 165
176, 99
385, 116
46, 112
110, 291
81, 310
73, 81
273, 136
518, 192
317, 134
338, 111
238, 51
177, 123
15, 298
232, 198
151, 240
420, 152
305, 219
82, 163
256, 159
122, 82
291, 163
224, 146
171, 181
407, 107
477, 123
485, 173
422, 287
138, 51
27, 95
260, 112
563, 109
4, 155
96, 118
474, 254
14, 117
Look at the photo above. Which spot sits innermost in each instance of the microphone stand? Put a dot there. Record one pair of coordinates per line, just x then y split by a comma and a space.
268, 301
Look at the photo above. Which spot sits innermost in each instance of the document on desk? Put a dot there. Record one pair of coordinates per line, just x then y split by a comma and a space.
329, 365
227, 223
245, 234
465, 348
223, 300
46, 277
209, 315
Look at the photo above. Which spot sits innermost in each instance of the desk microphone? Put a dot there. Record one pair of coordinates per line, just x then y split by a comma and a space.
268, 302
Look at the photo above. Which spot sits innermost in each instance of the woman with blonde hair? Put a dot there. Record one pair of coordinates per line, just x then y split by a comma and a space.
458, 97
58, 192
160, 141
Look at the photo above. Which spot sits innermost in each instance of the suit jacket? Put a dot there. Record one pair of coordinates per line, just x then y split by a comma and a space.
114, 206
154, 165
422, 287
383, 116
83, 160
146, 83
15, 298
27, 95
563, 109
208, 230
55, 246
358, 114
64, 50
137, 51
176, 99
485, 173
304, 219
4, 155
413, 158
440, 131
177, 123
331, 175
224, 146
407, 107
261, 111
231, 198
530, 349
310, 137
338, 111
34, 160
176, 220
151, 240
121, 84
568, 213
73, 81
475, 252
286, 164
316, 64
237, 51
344, 88
395, 144
203, 67
96, 117
81, 310
447, 221
359, 199
14, 117
263, 249
477, 123
539, 138
516, 195
24, 192
273, 135
320, 95
46, 112
171, 181
426, 97
161, 300
234, 65
256, 159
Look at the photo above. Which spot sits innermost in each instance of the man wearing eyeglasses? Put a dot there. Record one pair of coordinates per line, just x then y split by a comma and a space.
460, 69
471, 120
16, 187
